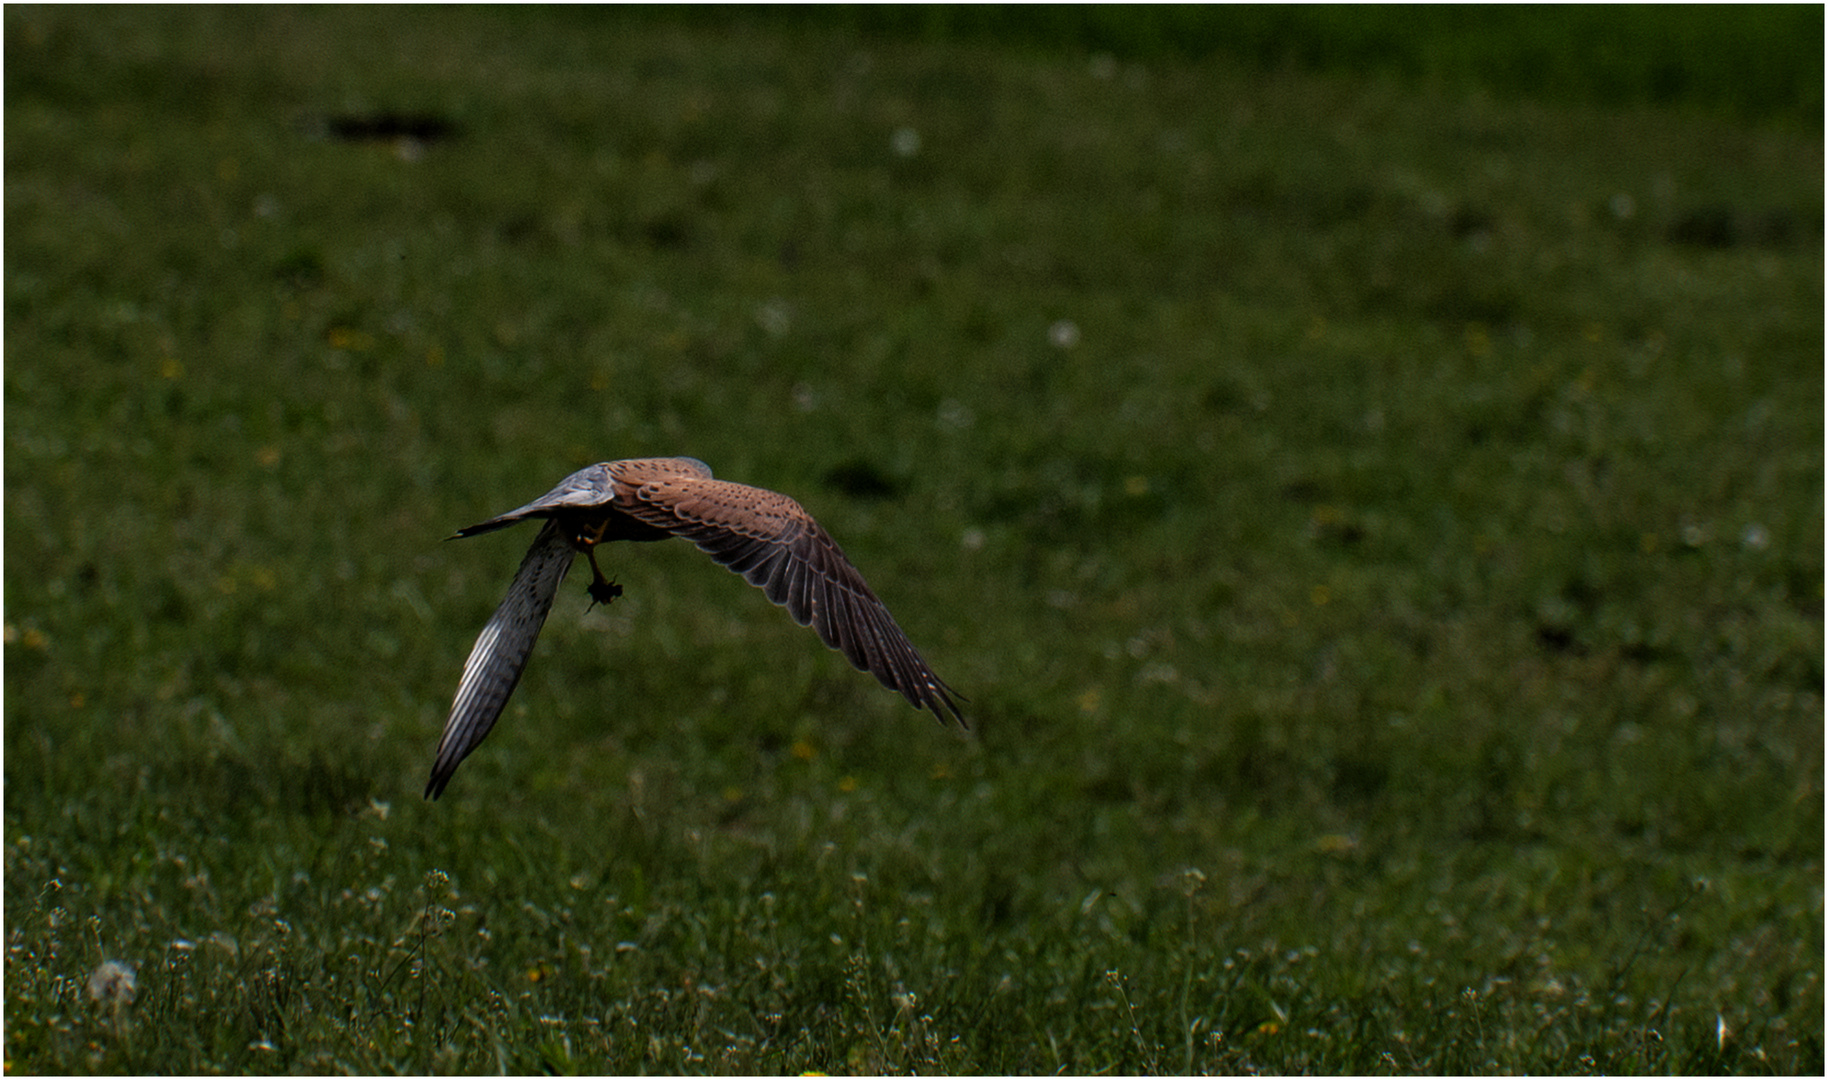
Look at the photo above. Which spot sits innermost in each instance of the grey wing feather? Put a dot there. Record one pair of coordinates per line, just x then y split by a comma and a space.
501, 652
593, 487
584, 489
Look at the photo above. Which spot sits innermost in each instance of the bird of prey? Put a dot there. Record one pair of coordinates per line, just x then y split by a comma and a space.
764, 536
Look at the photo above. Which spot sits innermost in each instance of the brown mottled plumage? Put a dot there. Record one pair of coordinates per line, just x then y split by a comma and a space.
764, 536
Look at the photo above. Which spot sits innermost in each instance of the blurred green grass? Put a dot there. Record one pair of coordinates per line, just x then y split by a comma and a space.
1759, 63
1379, 530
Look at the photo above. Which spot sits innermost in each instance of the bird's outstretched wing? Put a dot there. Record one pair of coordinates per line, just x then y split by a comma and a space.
592, 488
501, 652
776, 545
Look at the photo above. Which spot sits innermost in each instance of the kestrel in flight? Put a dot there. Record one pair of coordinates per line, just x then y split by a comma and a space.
764, 536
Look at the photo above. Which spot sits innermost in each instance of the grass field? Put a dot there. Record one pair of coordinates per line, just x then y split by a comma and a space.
1377, 524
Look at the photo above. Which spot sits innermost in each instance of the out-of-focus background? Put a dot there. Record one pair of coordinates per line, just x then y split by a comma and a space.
1363, 467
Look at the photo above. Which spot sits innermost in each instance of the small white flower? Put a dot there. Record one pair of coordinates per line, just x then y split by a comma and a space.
955, 414
1063, 334
112, 983
774, 318
905, 142
805, 398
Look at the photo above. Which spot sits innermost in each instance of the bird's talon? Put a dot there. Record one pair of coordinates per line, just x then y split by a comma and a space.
602, 592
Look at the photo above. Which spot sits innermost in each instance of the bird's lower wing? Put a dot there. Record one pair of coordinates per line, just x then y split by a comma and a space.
501, 653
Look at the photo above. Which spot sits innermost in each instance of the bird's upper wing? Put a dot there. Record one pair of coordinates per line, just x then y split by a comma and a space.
501, 652
777, 546
593, 487
585, 488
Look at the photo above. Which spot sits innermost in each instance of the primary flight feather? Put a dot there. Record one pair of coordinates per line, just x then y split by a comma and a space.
764, 536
